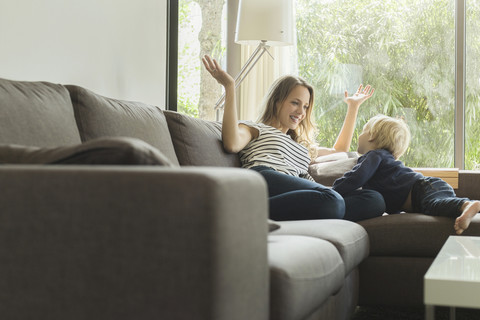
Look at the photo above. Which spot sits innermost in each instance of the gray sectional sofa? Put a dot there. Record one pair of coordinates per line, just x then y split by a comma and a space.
164, 225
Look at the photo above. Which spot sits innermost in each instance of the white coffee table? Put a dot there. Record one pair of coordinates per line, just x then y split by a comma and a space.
453, 279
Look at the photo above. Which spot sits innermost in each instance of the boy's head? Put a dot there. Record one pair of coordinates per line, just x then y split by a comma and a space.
382, 132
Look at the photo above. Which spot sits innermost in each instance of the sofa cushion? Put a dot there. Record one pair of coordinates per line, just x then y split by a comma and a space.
116, 150
272, 225
411, 234
99, 116
326, 169
36, 114
350, 239
304, 273
199, 142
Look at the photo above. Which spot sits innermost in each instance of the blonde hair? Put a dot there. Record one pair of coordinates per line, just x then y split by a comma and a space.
389, 133
278, 93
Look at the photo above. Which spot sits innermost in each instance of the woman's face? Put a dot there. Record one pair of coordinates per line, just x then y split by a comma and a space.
293, 110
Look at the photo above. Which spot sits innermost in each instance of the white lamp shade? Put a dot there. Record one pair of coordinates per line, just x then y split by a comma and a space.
265, 20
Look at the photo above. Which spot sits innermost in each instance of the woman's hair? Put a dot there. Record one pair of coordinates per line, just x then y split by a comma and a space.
389, 133
278, 93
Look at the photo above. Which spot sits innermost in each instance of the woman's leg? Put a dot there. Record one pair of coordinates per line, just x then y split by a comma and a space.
363, 204
293, 198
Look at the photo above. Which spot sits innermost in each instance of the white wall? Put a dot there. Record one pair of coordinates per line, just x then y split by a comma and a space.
117, 48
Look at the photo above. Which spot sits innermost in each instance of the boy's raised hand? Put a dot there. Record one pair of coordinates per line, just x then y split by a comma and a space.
214, 68
360, 96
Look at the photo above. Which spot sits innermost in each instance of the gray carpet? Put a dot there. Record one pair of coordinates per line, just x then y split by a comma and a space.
386, 313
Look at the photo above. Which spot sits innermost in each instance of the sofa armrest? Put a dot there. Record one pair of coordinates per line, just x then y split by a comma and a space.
468, 182
123, 242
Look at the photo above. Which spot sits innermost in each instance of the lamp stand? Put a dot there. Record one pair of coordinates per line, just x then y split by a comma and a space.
256, 55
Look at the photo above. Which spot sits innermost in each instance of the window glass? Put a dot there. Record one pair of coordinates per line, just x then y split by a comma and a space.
472, 90
405, 49
197, 91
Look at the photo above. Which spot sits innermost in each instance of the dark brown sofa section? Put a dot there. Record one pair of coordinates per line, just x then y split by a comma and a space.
403, 246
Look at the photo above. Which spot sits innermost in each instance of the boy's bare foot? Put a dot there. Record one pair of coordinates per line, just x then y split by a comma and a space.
469, 210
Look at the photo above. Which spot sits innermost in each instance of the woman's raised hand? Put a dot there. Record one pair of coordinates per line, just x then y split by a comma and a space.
214, 68
360, 96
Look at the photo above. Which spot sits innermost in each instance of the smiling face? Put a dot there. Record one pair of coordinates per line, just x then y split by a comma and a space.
293, 109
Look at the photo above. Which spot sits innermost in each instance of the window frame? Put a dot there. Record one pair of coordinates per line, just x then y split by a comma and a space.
460, 83
171, 94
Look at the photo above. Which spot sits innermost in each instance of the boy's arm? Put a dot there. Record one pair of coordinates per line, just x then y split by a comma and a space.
354, 102
359, 175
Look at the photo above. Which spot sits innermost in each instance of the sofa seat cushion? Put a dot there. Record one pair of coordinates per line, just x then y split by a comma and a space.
304, 273
36, 114
99, 116
199, 142
350, 239
108, 151
411, 234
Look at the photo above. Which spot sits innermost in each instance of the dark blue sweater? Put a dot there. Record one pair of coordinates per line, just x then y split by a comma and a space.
378, 170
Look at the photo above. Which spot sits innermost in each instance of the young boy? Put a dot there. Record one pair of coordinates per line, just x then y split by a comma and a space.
382, 142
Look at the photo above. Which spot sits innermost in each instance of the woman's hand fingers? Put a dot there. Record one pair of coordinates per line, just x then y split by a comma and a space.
214, 68
209, 63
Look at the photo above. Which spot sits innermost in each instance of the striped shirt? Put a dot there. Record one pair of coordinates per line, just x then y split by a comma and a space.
276, 150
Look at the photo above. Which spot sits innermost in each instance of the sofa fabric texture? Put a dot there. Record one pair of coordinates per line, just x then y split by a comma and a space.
349, 239
304, 270
115, 243
36, 114
99, 116
398, 234
102, 151
198, 142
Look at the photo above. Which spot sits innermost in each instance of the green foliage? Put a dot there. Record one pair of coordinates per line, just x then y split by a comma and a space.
190, 90
187, 106
403, 48
188, 61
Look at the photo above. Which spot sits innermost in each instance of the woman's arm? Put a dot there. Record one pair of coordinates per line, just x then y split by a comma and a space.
234, 136
345, 136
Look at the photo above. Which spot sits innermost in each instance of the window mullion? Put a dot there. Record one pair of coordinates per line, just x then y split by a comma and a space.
460, 27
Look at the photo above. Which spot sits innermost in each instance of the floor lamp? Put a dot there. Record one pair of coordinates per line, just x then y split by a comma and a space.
263, 23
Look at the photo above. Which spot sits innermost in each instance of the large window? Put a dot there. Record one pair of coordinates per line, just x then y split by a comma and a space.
201, 30
403, 48
472, 97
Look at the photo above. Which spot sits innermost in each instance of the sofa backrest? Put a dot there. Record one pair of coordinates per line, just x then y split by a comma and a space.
199, 142
44, 114
98, 116
36, 114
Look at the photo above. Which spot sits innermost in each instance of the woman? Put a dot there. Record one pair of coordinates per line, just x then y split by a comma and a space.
281, 146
